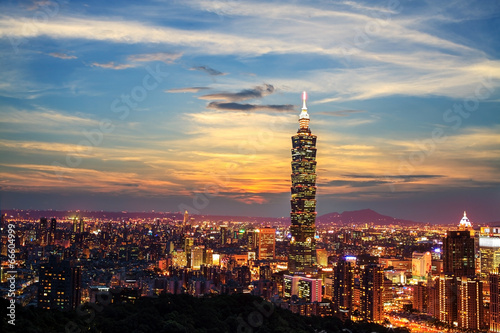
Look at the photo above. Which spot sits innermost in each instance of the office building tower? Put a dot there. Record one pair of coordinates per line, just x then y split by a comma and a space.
342, 289
82, 226
52, 231
420, 297
290, 285
75, 225
197, 256
188, 244
470, 311
302, 254
252, 239
310, 289
43, 231
223, 234
371, 292
489, 249
60, 285
421, 265
267, 243
447, 290
185, 221
322, 257
433, 296
459, 253
494, 280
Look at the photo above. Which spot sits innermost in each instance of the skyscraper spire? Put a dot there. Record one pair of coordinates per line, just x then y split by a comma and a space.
465, 222
304, 116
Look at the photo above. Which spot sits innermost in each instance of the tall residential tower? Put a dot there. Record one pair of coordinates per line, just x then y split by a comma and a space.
302, 255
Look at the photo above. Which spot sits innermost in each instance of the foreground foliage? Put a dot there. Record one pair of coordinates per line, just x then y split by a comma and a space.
181, 313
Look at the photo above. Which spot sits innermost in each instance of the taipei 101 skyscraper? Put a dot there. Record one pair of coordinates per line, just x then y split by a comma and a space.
302, 254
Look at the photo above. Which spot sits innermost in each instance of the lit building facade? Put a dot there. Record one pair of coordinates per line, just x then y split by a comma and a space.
43, 231
421, 264
322, 257
371, 292
267, 243
60, 285
459, 253
494, 280
489, 254
470, 303
310, 289
343, 286
302, 254
197, 253
447, 294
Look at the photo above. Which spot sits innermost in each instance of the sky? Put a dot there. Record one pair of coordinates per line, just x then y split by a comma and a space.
174, 105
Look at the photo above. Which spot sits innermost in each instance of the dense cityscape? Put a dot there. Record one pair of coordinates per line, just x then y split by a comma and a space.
400, 274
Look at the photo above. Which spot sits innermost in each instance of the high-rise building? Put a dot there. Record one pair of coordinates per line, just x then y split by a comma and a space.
60, 285
252, 239
447, 290
433, 296
470, 309
267, 243
459, 253
223, 234
52, 231
82, 226
43, 231
494, 279
310, 289
371, 292
188, 244
75, 225
322, 257
421, 265
197, 256
342, 289
489, 249
420, 297
302, 254
185, 221
455, 284
290, 285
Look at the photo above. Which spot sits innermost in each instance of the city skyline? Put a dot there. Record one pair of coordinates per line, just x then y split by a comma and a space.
107, 107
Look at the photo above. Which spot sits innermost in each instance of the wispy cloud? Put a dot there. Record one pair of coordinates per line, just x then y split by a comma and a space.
167, 58
112, 65
256, 92
231, 99
45, 118
187, 89
62, 55
134, 60
339, 113
249, 107
208, 70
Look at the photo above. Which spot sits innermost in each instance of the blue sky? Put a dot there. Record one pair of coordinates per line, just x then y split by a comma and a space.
168, 105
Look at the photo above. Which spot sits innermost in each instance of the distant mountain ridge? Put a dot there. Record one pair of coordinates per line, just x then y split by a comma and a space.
361, 217
348, 217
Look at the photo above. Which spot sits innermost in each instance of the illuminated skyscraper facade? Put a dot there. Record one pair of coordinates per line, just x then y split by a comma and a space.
267, 243
494, 281
343, 288
372, 288
302, 255
60, 285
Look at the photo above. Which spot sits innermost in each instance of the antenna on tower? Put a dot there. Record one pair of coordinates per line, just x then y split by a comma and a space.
304, 98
